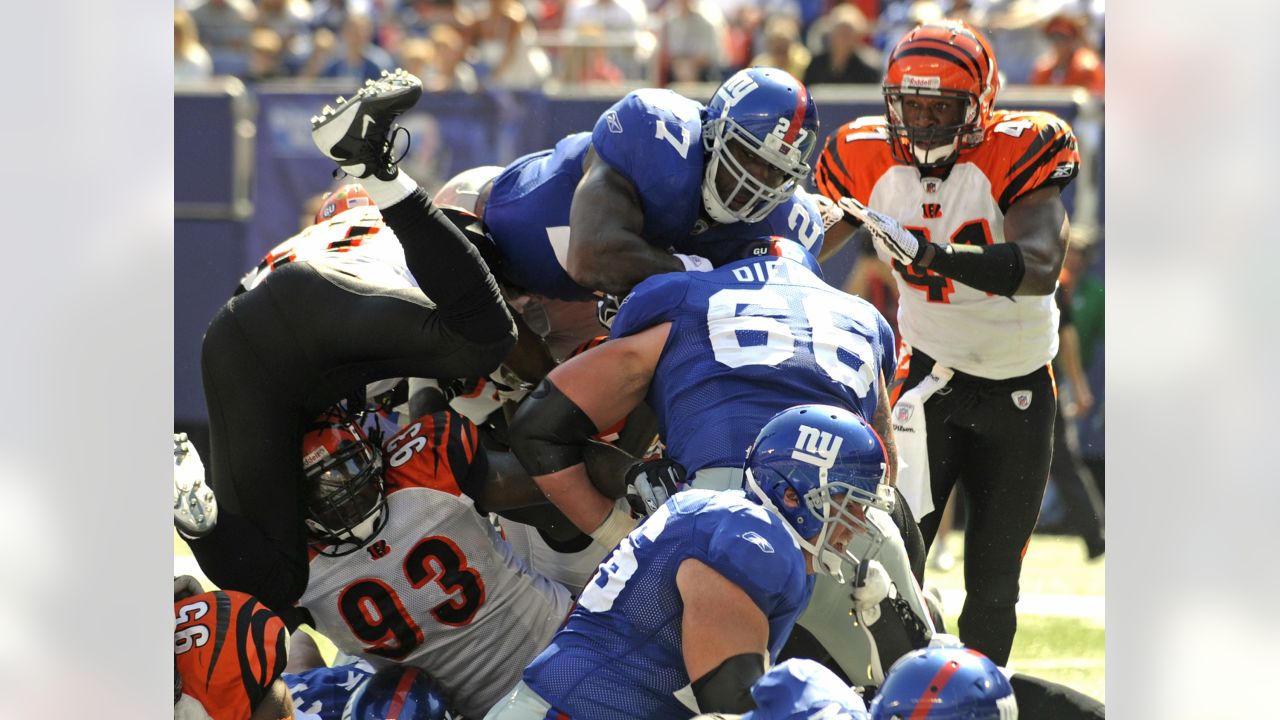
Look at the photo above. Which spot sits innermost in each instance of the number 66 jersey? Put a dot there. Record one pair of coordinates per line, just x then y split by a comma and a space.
437, 588
747, 341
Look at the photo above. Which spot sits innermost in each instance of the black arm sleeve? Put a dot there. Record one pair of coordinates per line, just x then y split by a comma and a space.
449, 267
549, 431
993, 268
727, 688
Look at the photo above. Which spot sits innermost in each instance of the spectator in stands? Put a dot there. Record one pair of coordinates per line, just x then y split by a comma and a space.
266, 56
848, 57
358, 59
1071, 61
782, 47
1013, 27
897, 20
588, 64
746, 19
291, 21
417, 56
450, 70
224, 24
506, 41
621, 22
691, 41
418, 17
190, 60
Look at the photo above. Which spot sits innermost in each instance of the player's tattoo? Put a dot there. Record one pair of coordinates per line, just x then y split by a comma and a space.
882, 423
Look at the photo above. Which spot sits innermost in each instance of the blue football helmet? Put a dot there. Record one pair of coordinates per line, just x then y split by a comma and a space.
835, 462
759, 131
399, 691
798, 689
945, 683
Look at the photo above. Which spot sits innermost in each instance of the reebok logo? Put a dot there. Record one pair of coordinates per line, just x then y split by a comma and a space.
816, 447
611, 119
755, 539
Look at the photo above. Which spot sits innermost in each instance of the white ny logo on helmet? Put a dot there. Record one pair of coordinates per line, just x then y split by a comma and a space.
817, 447
736, 88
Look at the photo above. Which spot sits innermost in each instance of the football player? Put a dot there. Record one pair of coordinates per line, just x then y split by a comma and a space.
716, 354
312, 332
662, 183
964, 201
692, 606
800, 689
228, 656
404, 566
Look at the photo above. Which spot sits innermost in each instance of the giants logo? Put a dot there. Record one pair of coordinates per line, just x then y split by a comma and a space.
817, 447
737, 87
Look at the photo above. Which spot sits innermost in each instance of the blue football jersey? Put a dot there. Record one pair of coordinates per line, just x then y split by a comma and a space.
619, 654
749, 340
653, 138
324, 691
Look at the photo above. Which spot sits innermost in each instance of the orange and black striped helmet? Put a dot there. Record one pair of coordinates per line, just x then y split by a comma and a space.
944, 59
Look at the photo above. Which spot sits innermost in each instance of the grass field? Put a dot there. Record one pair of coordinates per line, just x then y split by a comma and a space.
1061, 619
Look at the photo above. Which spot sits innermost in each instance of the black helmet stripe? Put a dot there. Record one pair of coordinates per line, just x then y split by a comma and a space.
961, 59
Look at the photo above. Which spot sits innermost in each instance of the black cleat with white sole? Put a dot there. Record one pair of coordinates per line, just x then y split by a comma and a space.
358, 134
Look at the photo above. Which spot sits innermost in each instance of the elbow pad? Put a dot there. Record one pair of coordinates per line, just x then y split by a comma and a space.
727, 688
549, 431
992, 268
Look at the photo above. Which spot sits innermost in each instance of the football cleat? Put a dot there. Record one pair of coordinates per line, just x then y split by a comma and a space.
359, 133
195, 509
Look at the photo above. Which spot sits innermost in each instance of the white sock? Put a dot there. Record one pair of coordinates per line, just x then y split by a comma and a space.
386, 193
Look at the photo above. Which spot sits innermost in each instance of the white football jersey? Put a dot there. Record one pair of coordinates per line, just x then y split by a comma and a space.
356, 242
969, 330
437, 588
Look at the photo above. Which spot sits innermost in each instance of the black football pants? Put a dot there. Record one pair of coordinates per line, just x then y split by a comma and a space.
999, 451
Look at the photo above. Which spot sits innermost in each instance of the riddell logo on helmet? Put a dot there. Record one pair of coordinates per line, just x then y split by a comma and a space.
315, 456
925, 83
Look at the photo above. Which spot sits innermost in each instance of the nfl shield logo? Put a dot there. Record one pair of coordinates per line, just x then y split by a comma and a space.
902, 413
1022, 399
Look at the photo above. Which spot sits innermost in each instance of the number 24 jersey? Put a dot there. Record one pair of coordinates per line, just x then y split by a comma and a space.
437, 588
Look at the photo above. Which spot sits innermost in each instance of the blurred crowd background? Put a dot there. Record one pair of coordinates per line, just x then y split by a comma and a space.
472, 45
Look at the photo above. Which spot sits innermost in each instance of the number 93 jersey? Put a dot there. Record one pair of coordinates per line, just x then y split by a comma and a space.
229, 649
437, 588
620, 654
747, 341
966, 329
653, 138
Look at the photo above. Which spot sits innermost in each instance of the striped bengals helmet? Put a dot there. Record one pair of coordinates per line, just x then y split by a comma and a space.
947, 58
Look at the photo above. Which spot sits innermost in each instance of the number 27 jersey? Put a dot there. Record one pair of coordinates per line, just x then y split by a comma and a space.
437, 588
749, 340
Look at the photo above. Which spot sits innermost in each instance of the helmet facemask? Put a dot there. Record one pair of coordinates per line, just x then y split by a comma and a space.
930, 147
346, 501
747, 197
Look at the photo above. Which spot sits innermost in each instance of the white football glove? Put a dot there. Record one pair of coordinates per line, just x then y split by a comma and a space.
694, 263
887, 233
873, 588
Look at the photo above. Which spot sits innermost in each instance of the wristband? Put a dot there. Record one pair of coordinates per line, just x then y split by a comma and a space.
617, 524
992, 268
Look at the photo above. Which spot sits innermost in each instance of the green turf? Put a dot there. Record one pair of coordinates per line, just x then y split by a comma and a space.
1065, 649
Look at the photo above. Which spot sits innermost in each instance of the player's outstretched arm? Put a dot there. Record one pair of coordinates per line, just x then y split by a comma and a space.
725, 638
588, 392
606, 249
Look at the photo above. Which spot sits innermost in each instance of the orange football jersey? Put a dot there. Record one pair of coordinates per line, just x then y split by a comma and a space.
229, 648
961, 327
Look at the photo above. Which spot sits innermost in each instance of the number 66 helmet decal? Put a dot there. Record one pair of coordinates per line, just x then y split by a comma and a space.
759, 131
345, 498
